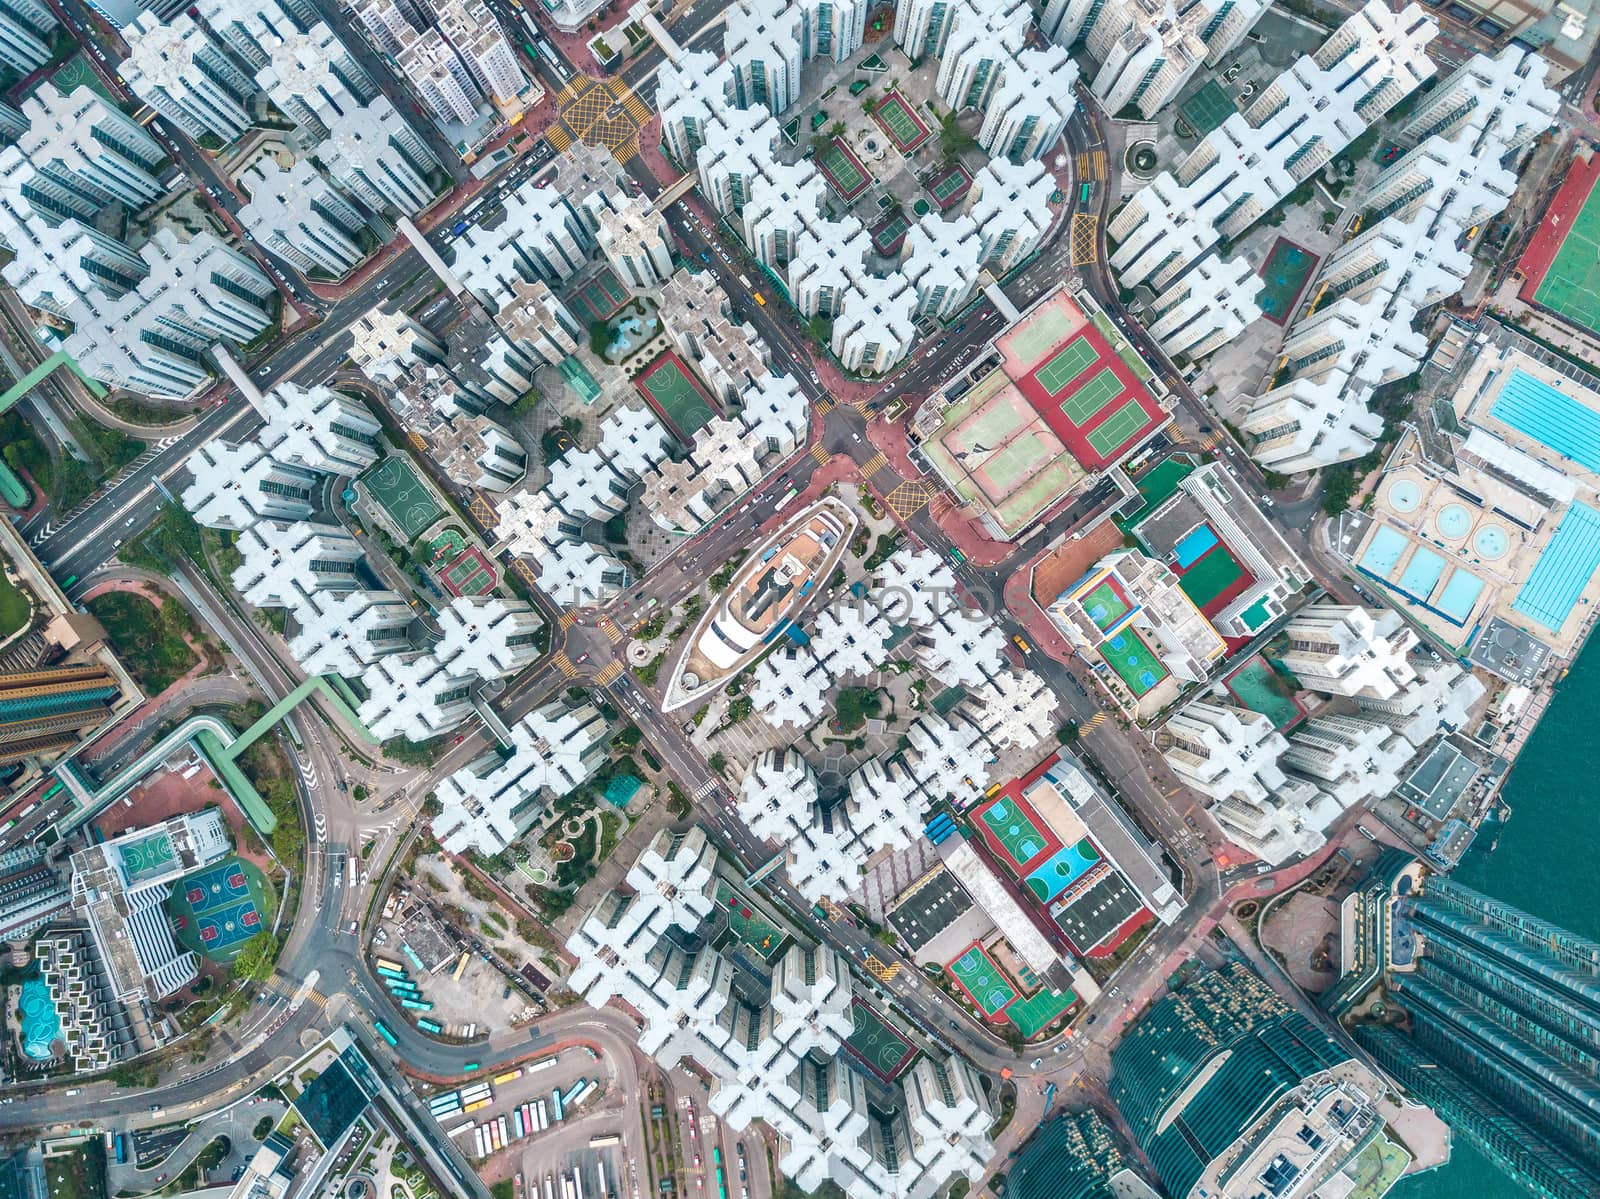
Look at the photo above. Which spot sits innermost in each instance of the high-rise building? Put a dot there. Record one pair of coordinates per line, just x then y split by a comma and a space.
634, 238
1075, 1156
377, 157
1232, 1094
26, 30
91, 147
185, 76
300, 216
1494, 1020
43, 710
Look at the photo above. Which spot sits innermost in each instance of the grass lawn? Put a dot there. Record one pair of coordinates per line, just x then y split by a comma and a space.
13, 607
147, 639
78, 1174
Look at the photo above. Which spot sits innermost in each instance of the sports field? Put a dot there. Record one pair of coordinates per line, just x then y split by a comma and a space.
1134, 661
1083, 405
447, 545
600, 297
1066, 366
1105, 605
889, 234
1287, 270
470, 574
674, 394
1116, 430
950, 187
1017, 832
1032, 339
750, 926
878, 1044
394, 486
977, 975
146, 857
905, 130
216, 910
1215, 576
1563, 269
1207, 108
1040, 1010
842, 170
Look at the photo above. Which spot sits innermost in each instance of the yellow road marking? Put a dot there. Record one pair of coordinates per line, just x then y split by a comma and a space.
874, 464
820, 454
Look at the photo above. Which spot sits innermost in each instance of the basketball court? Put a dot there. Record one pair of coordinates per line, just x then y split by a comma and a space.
902, 125
877, 1044
1207, 108
1105, 605
394, 487
675, 395
749, 926
216, 910
976, 974
1019, 833
842, 170
1286, 272
600, 298
1134, 661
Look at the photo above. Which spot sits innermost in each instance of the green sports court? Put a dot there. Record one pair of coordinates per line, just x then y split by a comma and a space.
1105, 605
749, 926
1212, 577
1287, 269
216, 910
470, 573
900, 123
842, 169
1207, 108
393, 485
889, 234
1083, 405
976, 973
1075, 358
673, 393
1016, 832
146, 857
877, 1043
1135, 662
1040, 1010
600, 297
1119, 427
948, 187
1570, 287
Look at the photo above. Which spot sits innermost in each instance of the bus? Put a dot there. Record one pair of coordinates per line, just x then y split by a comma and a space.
471, 1066
722, 1175
383, 1031
390, 964
508, 1076
430, 1026
1085, 192
600, 1142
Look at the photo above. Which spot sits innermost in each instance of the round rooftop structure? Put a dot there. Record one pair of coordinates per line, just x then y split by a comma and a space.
1453, 521
1491, 542
1404, 495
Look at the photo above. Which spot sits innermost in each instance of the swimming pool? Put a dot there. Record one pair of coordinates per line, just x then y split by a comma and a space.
1459, 595
1383, 552
1193, 546
1421, 574
1453, 521
1404, 495
41, 1027
1550, 417
1491, 542
1563, 570
1065, 867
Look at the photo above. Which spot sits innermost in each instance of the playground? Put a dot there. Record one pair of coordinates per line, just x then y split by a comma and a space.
216, 910
843, 170
976, 974
903, 126
1287, 271
1021, 836
877, 1044
749, 926
394, 486
949, 188
1065, 867
675, 396
1207, 108
1562, 262
1135, 662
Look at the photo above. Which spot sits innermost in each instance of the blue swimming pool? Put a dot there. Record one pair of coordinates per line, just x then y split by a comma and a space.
1550, 417
1062, 869
1563, 570
1194, 545
1459, 595
1383, 552
1421, 574
40, 1025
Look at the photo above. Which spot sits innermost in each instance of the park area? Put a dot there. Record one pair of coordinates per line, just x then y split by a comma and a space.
680, 401
1561, 266
153, 643
394, 486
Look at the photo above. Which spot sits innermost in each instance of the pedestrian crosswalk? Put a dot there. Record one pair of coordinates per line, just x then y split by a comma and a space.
1094, 722
613, 630
564, 664
706, 789
820, 454
317, 997
637, 108
825, 405
567, 619
558, 137
874, 464
609, 674
1092, 166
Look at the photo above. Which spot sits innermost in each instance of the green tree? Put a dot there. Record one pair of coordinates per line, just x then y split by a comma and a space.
599, 338
953, 140
258, 959
740, 709
718, 761
1339, 485
855, 705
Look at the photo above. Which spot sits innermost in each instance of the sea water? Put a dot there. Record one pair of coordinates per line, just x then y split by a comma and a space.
1544, 864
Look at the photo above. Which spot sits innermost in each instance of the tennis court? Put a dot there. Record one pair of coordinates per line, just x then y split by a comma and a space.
1066, 366
950, 187
878, 1043
1083, 405
1135, 662
977, 975
842, 170
1212, 577
470, 574
889, 234
1287, 270
900, 123
1105, 605
216, 910
394, 486
1018, 835
748, 925
1207, 108
1117, 429
676, 396
601, 296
